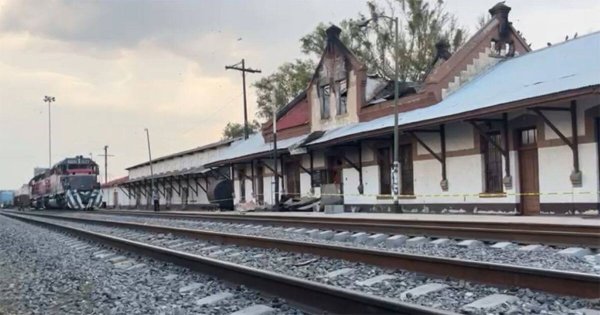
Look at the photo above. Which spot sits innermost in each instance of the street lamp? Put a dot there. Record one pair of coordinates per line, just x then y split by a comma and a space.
396, 165
49, 99
152, 188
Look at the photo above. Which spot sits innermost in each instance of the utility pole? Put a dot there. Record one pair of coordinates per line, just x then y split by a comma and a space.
49, 100
243, 69
105, 155
275, 175
152, 188
395, 172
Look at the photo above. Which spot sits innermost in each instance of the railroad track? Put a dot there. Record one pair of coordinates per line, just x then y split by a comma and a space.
305, 293
558, 282
550, 234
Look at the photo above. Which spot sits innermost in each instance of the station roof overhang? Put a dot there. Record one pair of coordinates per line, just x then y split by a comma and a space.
560, 72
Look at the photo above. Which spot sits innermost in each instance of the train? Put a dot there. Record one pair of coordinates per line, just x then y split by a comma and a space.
70, 184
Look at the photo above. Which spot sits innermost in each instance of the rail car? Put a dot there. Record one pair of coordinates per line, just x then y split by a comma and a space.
70, 184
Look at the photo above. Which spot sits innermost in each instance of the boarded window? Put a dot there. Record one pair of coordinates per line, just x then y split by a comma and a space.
385, 165
406, 169
492, 160
324, 96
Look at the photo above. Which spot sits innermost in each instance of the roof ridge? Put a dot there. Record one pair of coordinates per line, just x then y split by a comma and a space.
557, 45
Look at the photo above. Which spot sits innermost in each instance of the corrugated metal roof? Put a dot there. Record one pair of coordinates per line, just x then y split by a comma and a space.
567, 66
205, 147
255, 144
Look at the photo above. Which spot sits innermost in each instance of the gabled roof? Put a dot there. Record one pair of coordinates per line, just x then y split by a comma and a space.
186, 152
285, 108
115, 182
254, 146
333, 41
564, 67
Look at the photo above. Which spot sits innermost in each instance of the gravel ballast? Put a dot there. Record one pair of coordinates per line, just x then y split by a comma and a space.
545, 258
454, 296
47, 272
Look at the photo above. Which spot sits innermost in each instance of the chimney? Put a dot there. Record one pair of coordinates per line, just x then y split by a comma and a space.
333, 32
442, 50
500, 11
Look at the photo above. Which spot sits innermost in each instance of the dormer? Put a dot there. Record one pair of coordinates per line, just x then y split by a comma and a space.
336, 90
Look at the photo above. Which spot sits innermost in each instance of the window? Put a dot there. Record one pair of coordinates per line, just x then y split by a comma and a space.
406, 169
324, 93
385, 171
528, 136
319, 177
492, 160
341, 97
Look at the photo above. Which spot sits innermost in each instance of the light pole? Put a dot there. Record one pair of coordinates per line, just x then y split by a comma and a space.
152, 188
396, 166
49, 100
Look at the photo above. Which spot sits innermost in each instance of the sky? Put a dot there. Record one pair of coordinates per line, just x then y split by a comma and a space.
117, 67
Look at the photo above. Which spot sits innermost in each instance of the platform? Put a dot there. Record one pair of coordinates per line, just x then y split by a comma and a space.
476, 218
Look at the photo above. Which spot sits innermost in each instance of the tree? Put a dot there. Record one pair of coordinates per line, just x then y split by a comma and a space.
236, 130
282, 86
422, 24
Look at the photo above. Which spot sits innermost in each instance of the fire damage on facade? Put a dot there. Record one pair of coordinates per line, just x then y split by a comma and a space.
493, 128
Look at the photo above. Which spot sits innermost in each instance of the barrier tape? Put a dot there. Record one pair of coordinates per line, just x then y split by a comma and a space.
481, 195
390, 196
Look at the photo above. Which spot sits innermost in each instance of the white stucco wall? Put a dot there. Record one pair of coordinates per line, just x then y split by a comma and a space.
108, 196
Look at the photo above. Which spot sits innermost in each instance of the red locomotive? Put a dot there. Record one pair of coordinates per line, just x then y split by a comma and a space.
70, 184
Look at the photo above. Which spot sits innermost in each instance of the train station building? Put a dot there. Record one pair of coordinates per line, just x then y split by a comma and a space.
493, 128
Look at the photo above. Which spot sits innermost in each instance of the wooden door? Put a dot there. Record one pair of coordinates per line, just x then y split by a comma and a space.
334, 172
406, 169
529, 172
292, 178
385, 170
260, 185
115, 198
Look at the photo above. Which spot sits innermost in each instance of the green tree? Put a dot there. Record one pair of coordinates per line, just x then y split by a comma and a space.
236, 130
422, 24
282, 86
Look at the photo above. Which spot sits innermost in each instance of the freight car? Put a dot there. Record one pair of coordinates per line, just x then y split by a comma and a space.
23, 197
70, 184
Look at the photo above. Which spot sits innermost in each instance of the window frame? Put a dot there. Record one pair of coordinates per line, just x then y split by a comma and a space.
324, 93
341, 97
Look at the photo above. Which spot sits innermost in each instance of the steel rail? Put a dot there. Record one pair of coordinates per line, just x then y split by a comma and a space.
554, 281
549, 234
311, 296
